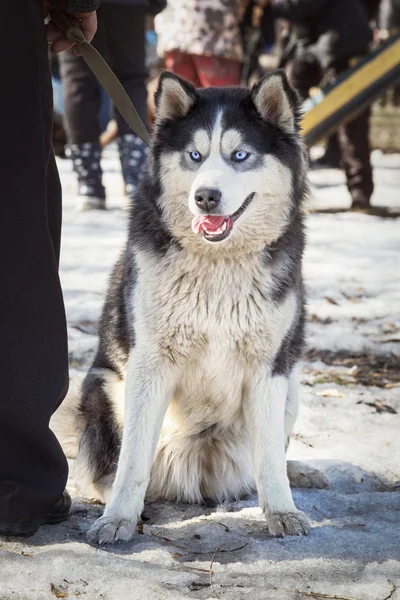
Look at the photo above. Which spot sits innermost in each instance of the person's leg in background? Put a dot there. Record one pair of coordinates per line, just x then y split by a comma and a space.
303, 75
124, 26
82, 99
33, 338
356, 157
183, 65
332, 155
216, 71
353, 139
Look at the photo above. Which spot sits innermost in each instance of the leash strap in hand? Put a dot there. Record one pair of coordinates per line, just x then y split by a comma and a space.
104, 74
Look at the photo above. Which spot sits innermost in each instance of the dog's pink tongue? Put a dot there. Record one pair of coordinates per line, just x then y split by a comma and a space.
209, 222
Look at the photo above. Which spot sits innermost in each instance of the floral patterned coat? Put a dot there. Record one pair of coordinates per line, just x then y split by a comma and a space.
203, 27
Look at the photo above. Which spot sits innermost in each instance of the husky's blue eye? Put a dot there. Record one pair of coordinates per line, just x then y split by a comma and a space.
196, 156
240, 155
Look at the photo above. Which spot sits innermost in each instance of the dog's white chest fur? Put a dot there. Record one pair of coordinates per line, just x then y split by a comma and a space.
218, 313
210, 391
216, 321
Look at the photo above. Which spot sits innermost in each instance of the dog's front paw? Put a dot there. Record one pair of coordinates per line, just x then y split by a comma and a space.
110, 529
281, 524
302, 475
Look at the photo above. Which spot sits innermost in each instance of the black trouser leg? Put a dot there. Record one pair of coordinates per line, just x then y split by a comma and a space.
81, 99
332, 151
120, 39
356, 154
124, 27
353, 138
303, 76
33, 341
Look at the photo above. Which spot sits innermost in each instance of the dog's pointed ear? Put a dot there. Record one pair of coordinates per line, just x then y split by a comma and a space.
276, 101
174, 96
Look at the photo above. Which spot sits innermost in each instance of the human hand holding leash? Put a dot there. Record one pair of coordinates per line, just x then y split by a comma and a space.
66, 30
87, 22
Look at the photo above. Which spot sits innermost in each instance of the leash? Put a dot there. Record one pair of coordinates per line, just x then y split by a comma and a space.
103, 73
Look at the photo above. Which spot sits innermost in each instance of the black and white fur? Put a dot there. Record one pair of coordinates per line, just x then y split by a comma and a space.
199, 338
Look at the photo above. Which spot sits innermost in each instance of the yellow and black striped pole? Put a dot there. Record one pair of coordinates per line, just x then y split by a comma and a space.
352, 92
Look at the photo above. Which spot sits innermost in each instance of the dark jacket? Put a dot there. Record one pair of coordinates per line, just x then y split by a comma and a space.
300, 12
153, 6
73, 6
334, 30
372, 7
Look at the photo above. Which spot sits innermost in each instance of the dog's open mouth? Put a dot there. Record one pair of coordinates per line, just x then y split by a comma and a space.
216, 228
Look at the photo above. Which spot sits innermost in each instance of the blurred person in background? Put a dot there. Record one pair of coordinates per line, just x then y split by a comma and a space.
120, 39
388, 24
332, 155
200, 40
258, 30
324, 36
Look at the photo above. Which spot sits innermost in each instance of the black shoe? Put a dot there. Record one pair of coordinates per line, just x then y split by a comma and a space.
57, 514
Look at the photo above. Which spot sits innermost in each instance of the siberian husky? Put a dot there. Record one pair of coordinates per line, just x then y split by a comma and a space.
194, 390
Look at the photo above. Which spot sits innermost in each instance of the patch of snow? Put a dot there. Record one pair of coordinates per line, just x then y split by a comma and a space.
353, 550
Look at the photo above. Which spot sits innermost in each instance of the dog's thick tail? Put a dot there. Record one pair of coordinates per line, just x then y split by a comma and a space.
100, 418
64, 422
88, 425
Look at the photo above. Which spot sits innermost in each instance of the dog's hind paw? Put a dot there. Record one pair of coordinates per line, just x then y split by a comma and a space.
303, 476
281, 524
108, 530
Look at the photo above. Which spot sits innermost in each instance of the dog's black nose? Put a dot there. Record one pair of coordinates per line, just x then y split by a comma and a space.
206, 198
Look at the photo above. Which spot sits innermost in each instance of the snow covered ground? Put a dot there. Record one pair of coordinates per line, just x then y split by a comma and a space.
349, 428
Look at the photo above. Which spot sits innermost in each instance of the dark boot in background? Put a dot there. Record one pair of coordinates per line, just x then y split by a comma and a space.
331, 158
360, 200
132, 154
354, 144
86, 164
